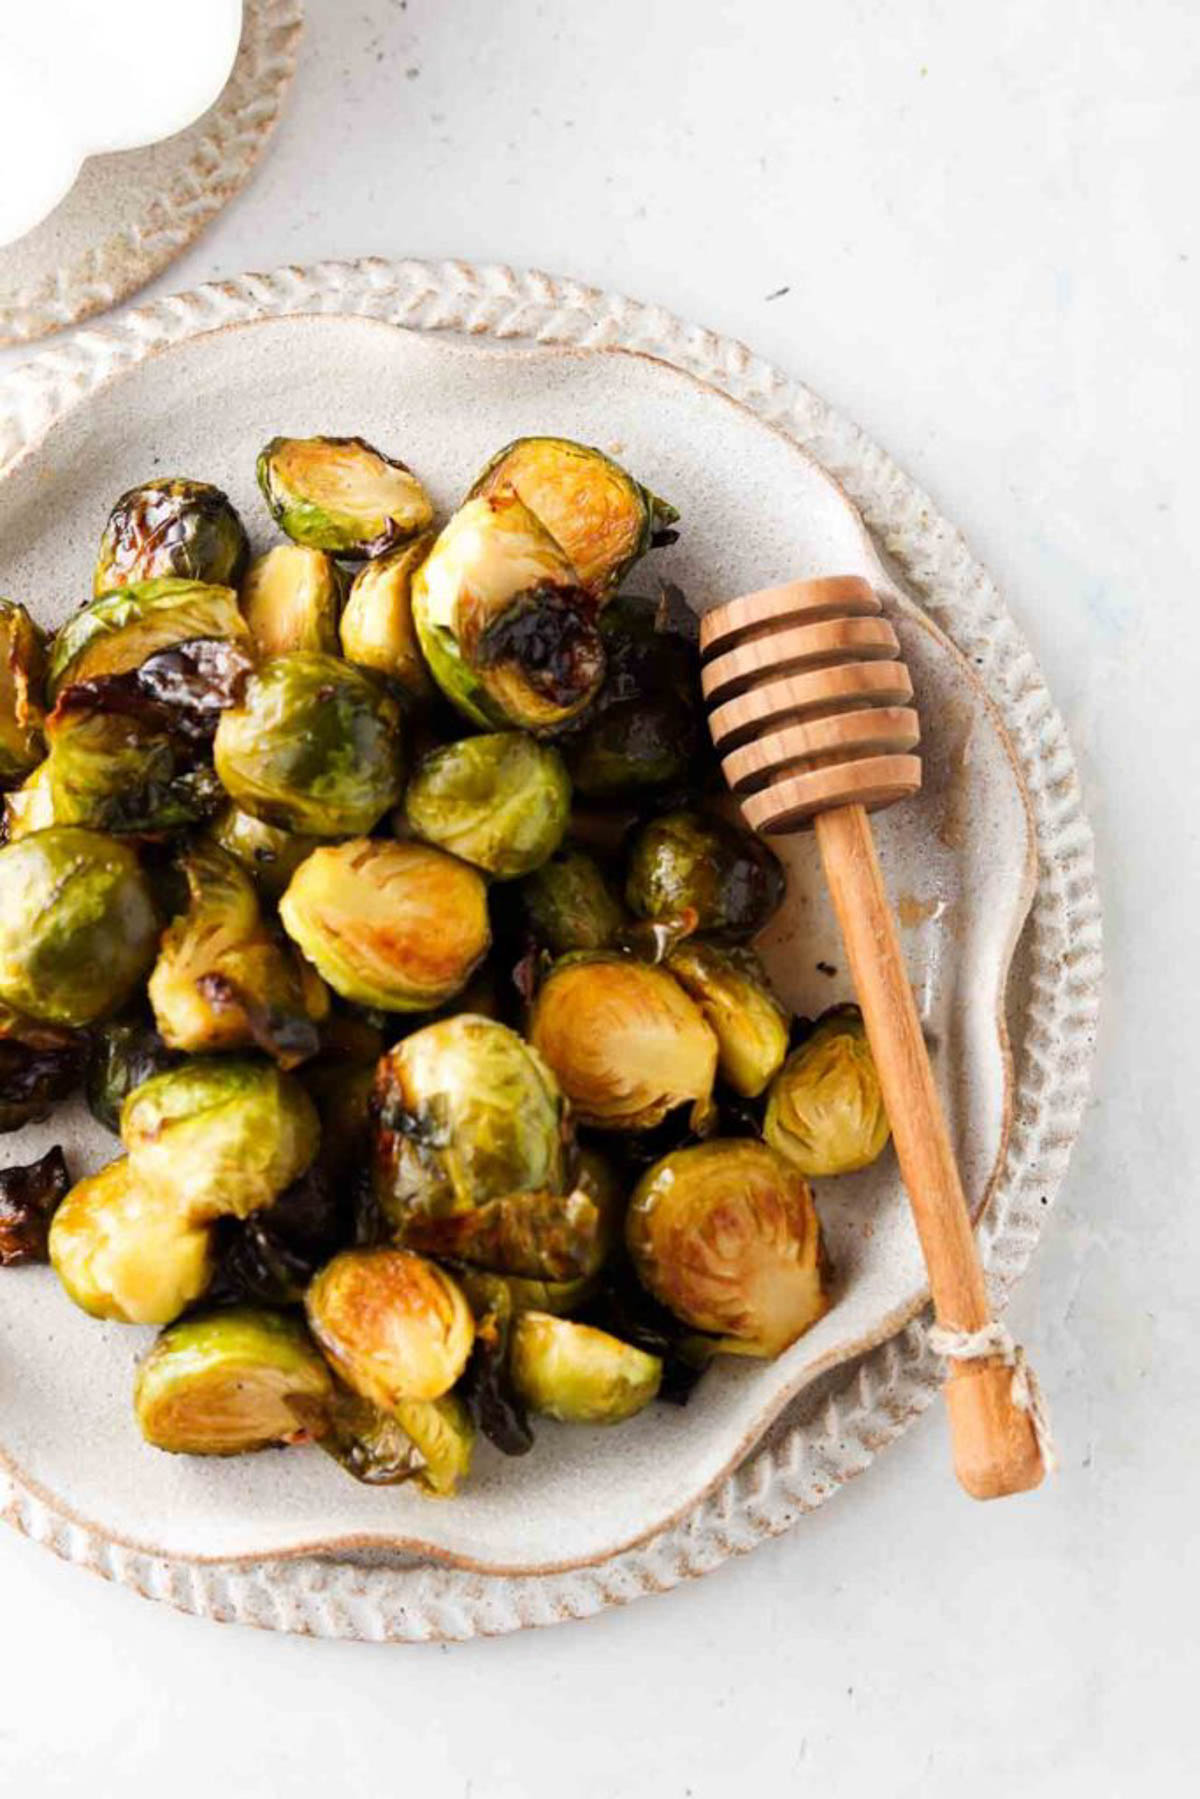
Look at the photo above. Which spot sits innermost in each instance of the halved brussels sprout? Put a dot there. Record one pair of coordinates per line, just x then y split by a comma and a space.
726, 1235
124, 771
185, 529
601, 516
730, 987
644, 730
39, 1063
400, 926
570, 904
124, 1053
625, 1041
394, 1326
78, 927
504, 625
270, 855
825, 1111
341, 495
688, 865
377, 629
578, 1374
126, 1253
291, 599
226, 1382
314, 747
428, 1441
540, 1236
30, 807
21, 715
29, 1195
500, 801
121, 630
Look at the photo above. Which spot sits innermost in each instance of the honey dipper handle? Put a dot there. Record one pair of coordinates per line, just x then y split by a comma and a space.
995, 1448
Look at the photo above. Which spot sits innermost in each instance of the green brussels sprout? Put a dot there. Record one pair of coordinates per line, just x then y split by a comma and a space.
721, 879
644, 731
725, 1234
625, 1041
39, 1063
29, 1196
377, 629
341, 495
21, 716
184, 529
270, 855
570, 904
119, 631
428, 1441
825, 1110
394, 1326
78, 928
505, 628
314, 747
602, 517
525, 1294
122, 771
540, 1236
30, 807
124, 1053
500, 801
126, 1253
291, 598
578, 1374
226, 1382
730, 987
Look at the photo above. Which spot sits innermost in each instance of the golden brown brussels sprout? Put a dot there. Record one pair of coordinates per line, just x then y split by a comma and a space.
291, 599
400, 926
730, 987
39, 1063
428, 1441
125, 1253
30, 807
314, 747
578, 1374
394, 1326
21, 716
121, 630
825, 1111
270, 855
184, 529
644, 730
77, 925
29, 1196
601, 516
341, 495
500, 801
504, 625
723, 880
377, 629
625, 1041
225, 1382
726, 1235
570, 904
124, 1053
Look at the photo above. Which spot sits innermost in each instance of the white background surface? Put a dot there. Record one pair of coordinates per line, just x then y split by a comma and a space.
984, 216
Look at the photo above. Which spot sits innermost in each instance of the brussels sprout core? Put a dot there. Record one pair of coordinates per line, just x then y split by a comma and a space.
221, 1383
578, 1374
341, 495
394, 1326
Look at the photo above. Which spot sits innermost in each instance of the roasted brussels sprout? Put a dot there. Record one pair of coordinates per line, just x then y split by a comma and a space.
291, 598
21, 717
121, 630
123, 771
540, 1236
730, 987
726, 1235
30, 807
224, 1382
400, 926
270, 855
394, 1326
29, 1196
124, 1053
428, 1441
825, 1110
270, 1257
184, 529
341, 495
126, 1253
578, 1374
77, 925
625, 1041
314, 747
686, 865
570, 904
39, 1063
601, 516
526, 1295
377, 629
643, 732
486, 1386
500, 801
504, 625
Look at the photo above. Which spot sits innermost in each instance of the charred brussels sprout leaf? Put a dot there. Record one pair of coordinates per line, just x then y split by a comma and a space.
500, 801
39, 1063
428, 1441
377, 628
341, 495
291, 599
127, 1254
394, 1326
825, 1111
270, 855
123, 1055
570, 904
184, 529
486, 1387
121, 630
314, 747
28, 1199
687, 865
578, 1374
644, 732
271, 1256
21, 716
225, 1382
731, 989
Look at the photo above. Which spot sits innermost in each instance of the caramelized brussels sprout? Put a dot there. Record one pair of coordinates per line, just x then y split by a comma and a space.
29, 1196
121, 630
540, 1236
224, 1382
291, 599
500, 801
124, 1053
377, 629
314, 747
724, 880
122, 771
77, 925
486, 1386
644, 731
504, 625
730, 987
270, 1257
602, 517
39, 1063
726, 1235
625, 1041
428, 1441
184, 529
825, 1111
341, 495
125, 1253
570, 904
30, 807
21, 717
394, 1326
270, 855
578, 1374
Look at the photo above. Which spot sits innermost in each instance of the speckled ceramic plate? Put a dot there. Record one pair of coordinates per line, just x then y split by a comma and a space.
587, 1518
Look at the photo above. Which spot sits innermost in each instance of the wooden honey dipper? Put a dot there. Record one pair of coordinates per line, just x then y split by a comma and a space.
811, 710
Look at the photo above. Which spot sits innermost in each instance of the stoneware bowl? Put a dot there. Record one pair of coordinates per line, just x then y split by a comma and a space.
200, 397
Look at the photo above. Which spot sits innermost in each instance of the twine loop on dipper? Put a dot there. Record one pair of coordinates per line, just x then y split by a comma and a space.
995, 1340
